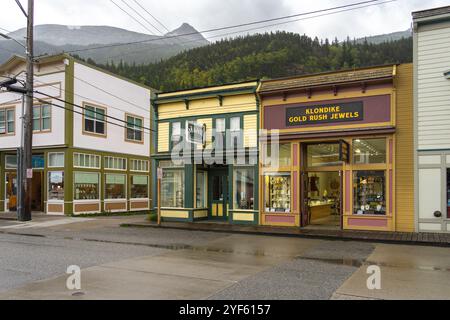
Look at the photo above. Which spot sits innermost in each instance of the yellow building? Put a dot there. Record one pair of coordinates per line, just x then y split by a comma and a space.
200, 180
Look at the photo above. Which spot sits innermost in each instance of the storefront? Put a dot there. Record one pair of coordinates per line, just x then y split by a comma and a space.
213, 177
345, 154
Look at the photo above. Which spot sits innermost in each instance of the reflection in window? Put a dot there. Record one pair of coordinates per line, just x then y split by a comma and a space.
139, 187
367, 151
94, 120
284, 155
325, 154
56, 185
176, 131
201, 190
243, 188
172, 188
115, 186
86, 186
278, 193
369, 192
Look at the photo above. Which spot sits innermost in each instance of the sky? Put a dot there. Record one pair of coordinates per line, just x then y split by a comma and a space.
207, 14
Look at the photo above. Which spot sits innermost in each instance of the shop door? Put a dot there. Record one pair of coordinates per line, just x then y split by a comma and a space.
36, 192
11, 191
218, 195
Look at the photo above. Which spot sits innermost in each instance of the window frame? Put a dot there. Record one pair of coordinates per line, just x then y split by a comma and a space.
236, 168
105, 123
99, 182
41, 118
141, 130
56, 153
90, 155
125, 187
353, 152
6, 109
385, 195
48, 185
142, 161
113, 159
131, 186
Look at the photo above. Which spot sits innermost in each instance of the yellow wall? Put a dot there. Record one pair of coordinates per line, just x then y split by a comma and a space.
250, 131
163, 137
404, 198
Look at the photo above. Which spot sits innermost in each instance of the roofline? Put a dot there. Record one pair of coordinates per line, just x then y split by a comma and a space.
211, 86
431, 17
331, 72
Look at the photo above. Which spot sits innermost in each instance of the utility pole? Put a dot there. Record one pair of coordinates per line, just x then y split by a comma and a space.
24, 212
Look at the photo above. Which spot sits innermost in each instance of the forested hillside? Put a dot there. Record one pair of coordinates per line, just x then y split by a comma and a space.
267, 55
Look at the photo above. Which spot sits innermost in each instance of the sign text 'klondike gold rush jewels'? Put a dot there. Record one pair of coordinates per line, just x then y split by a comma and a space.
340, 112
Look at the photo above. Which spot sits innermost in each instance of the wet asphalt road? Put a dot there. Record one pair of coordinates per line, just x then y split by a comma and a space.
141, 263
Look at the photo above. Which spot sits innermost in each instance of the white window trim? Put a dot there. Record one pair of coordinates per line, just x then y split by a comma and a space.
148, 187
114, 169
52, 153
88, 154
126, 189
91, 200
145, 171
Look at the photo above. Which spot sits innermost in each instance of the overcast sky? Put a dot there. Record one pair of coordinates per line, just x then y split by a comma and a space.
207, 14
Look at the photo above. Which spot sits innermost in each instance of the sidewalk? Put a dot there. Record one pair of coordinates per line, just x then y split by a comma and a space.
427, 239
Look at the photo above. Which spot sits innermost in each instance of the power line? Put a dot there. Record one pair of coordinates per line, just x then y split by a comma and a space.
225, 28
154, 18
266, 26
145, 19
132, 17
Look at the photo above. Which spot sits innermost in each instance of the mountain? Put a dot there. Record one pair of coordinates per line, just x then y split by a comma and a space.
387, 37
51, 39
268, 55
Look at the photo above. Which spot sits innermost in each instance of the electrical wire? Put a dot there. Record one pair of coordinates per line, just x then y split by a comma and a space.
145, 19
132, 17
154, 18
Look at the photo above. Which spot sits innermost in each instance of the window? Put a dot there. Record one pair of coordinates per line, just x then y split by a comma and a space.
243, 188
139, 165
81, 160
38, 161
7, 121
235, 124
115, 186
94, 120
41, 118
201, 190
172, 188
135, 129
325, 154
368, 151
11, 162
139, 187
113, 163
176, 131
86, 186
284, 155
56, 160
220, 125
369, 192
278, 192
56, 185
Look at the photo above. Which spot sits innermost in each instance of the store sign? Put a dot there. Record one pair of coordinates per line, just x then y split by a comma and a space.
344, 152
343, 112
196, 133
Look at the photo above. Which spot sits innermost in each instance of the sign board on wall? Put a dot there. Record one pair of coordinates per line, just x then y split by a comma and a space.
330, 113
196, 133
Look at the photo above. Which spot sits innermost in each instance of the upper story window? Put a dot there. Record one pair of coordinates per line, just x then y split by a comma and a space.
176, 131
135, 129
220, 125
7, 121
235, 124
81, 160
94, 120
41, 118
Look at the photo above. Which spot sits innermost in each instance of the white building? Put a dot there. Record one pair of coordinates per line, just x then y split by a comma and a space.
432, 118
91, 139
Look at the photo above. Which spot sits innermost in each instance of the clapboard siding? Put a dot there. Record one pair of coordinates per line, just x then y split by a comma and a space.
433, 96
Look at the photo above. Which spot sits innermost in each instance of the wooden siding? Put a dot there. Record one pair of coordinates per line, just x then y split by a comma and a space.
433, 59
250, 131
404, 151
163, 137
209, 106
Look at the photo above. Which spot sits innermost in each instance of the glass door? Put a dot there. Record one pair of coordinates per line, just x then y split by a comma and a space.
11, 191
218, 195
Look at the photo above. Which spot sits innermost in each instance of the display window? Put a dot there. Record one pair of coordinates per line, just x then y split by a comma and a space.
278, 193
284, 155
369, 192
201, 198
369, 151
244, 188
115, 186
139, 187
172, 188
56, 185
86, 186
323, 154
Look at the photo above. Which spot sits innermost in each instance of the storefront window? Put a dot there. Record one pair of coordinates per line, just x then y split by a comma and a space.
448, 193
139, 187
243, 189
284, 155
56, 160
369, 192
278, 193
368, 151
201, 190
172, 188
324, 154
115, 186
56, 185
86, 186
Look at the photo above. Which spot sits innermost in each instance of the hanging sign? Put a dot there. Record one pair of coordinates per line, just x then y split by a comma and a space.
196, 133
344, 151
329, 113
